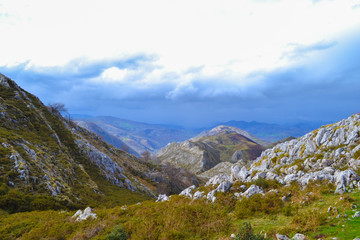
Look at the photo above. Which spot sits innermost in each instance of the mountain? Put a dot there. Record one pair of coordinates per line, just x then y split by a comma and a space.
137, 136
46, 160
210, 148
274, 132
305, 188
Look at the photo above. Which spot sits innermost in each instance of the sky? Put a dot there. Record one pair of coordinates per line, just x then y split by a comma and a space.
187, 62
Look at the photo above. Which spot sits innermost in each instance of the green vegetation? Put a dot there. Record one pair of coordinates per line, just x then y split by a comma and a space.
247, 233
305, 211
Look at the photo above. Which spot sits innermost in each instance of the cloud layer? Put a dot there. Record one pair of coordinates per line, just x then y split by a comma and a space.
185, 62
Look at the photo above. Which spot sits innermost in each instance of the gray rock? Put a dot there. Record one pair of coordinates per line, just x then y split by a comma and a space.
162, 198
80, 215
291, 178
187, 192
240, 174
218, 179
252, 190
299, 236
281, 237
210, 196
224, 187
198, 195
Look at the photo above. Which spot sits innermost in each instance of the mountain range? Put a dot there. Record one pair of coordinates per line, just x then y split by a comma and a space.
137, 137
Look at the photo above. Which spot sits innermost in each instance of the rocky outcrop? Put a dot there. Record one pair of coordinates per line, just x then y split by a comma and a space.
80, 215
331, 153
162, 198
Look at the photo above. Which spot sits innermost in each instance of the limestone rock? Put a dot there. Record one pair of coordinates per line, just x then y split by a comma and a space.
281, 237
252, 190
80, 215
162, 198
299, 236
187, 192
224, 187
198, 195
210, 196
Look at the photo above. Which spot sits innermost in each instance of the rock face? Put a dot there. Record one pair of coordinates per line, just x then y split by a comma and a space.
331, 153
319, 155
41, 152
212, 152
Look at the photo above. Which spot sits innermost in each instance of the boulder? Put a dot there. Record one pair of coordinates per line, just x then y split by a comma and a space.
187, 192
218, 179
252, 190
299, 236
80, 215
198, 195
224, 187
281, 237
240, 174
162, 198
210, 196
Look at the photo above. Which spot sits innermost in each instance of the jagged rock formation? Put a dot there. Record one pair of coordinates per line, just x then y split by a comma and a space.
220, 145
42, 153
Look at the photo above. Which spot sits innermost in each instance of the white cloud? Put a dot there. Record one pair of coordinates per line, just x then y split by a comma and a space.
228, 37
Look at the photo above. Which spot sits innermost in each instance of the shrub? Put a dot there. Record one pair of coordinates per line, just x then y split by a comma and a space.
118, 233
246, 233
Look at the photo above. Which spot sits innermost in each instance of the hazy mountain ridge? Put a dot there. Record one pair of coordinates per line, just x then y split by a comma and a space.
137, 136
274, 132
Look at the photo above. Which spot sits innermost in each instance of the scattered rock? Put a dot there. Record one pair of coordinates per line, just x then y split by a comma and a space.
80, 215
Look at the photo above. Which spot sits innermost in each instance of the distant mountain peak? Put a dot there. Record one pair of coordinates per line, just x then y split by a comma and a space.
228, 129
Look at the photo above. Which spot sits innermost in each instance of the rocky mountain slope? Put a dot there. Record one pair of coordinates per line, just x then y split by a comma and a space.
329, 154
218, 146
139, 137
46, 156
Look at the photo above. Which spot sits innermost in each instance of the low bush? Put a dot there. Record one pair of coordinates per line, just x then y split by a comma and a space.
118, 233
246, 233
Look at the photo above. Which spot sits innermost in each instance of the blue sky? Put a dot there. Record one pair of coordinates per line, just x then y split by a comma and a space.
191, 63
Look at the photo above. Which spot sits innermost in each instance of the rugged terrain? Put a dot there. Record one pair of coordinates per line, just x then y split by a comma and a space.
208, 153
305, 188
46, 160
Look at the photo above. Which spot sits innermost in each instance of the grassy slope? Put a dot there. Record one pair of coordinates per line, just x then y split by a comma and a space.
28, 122
182, 218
